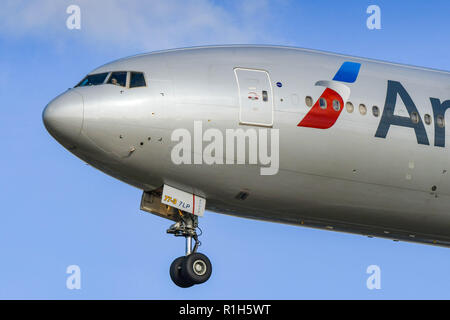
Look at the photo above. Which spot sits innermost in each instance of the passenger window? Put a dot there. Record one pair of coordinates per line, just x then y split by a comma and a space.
415, 117
349, 107
309, 101
336, 105
427, 119
137, 80
362, 109
118, 78
375, 111
440, 121
265, 96
93, 80
323, 103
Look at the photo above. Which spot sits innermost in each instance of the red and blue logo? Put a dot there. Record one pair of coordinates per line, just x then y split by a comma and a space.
324, 118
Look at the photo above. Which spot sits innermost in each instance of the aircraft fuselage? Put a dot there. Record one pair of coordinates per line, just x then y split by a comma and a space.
380, 170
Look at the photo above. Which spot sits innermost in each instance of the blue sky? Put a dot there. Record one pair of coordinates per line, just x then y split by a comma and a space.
57, 211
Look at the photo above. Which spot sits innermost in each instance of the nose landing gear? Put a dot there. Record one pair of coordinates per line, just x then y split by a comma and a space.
194, 267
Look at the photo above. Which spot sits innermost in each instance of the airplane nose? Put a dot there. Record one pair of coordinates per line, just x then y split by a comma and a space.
63, 117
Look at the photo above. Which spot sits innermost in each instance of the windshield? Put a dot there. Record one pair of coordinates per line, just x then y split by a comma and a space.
93, 80
118, 78
137, 79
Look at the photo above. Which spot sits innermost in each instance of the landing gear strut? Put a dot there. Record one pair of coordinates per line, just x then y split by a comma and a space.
194, 267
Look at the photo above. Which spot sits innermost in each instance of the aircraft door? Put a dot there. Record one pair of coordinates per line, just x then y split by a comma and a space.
255, 97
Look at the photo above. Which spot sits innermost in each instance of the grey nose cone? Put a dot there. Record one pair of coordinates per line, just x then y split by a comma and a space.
63, 117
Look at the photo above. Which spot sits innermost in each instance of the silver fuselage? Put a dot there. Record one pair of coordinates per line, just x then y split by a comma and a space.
343, 178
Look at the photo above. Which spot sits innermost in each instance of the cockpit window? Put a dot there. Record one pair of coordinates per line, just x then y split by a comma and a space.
137, 79
93, 80
118, 78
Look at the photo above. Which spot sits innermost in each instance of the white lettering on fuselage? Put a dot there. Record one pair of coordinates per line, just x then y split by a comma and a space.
234, 148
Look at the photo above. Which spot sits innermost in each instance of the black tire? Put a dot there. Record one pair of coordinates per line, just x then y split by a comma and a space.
196, 267
176, 276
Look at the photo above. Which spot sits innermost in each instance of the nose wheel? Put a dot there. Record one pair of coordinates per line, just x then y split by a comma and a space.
187, 271
193, 268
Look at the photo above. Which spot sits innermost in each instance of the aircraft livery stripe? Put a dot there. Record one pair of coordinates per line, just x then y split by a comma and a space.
348, 72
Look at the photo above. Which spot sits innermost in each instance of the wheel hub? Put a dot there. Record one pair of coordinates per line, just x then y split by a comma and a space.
199, 267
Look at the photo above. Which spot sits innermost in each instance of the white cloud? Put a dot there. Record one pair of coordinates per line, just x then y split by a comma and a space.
145, 25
